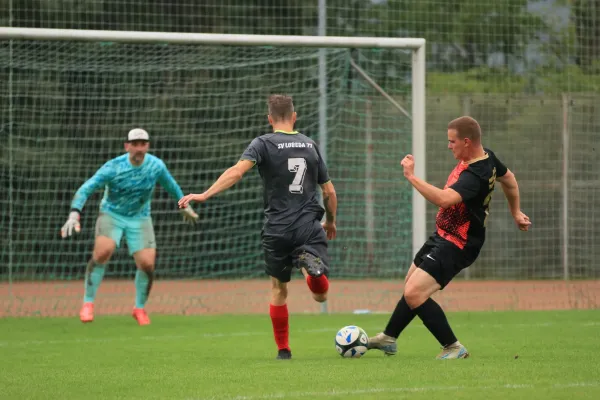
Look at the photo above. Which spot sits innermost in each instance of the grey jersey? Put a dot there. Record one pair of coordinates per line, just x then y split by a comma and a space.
291, 168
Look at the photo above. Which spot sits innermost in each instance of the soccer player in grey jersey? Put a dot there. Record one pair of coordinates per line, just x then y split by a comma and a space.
292, 169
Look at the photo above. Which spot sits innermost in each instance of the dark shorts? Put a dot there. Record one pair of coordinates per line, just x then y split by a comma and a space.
283, 249
442, 259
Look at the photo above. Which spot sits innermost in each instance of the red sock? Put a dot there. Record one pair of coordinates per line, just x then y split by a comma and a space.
281, 329
318, 285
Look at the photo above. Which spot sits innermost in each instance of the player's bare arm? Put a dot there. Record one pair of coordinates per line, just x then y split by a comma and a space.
330, 203
230, 177
440, 197
510, 187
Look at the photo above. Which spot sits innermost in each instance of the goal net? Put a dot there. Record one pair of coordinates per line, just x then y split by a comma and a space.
68, 104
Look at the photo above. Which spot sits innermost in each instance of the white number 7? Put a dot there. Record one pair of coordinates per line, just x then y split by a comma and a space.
297, 165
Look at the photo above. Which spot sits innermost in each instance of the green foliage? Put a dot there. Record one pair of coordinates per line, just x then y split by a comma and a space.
585, 16
571, 79
462, 34
488, 80
476, 80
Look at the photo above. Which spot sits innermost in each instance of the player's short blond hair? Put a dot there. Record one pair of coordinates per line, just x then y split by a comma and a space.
281, 107
466, 127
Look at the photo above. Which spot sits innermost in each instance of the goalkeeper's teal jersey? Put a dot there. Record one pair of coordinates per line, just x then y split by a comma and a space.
128, 189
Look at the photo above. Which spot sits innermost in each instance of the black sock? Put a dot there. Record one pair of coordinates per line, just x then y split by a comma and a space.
400, 319
435, 320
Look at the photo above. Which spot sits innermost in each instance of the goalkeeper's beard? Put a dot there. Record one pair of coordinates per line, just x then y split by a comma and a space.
138, 158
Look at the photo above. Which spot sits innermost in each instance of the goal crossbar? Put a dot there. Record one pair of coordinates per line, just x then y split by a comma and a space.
417, 45
208, 38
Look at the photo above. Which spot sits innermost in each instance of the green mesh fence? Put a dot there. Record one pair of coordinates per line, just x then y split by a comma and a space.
71, 105
527, 70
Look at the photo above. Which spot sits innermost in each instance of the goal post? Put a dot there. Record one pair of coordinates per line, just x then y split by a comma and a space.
418, 68
231, 45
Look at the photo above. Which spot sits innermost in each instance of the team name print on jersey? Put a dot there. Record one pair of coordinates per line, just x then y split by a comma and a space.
293, 145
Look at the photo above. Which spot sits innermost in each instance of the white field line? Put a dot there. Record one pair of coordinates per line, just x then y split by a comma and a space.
356, 392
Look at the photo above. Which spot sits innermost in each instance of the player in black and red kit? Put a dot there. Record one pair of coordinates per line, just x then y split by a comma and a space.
459, 236
292, 170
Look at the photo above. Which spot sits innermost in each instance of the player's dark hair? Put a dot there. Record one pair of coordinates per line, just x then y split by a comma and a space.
466, 127
281, 107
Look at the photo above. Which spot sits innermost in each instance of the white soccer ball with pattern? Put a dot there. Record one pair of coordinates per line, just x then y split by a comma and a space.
351, 341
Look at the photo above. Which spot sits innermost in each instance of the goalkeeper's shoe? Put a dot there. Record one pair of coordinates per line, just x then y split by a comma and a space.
139, 314
453, 351
87, 312
284, 354
383, 342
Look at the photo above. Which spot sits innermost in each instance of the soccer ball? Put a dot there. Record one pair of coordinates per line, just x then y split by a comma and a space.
351, 342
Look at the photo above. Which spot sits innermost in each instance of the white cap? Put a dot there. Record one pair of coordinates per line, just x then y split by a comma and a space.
137, 134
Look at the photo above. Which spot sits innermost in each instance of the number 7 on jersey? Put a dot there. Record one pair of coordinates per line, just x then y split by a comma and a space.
297, 165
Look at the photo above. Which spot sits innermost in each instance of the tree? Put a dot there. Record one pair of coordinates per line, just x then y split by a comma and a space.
462, 34
586, 18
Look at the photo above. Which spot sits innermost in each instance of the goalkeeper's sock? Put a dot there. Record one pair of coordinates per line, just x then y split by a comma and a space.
401, 317
93, 276
281, 329
317, 285
143, 284
435, 320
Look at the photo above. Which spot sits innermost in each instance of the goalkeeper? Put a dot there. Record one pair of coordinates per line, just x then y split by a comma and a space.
129, 181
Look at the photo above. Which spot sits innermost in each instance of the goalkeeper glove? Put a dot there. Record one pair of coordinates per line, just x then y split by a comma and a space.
72, 223
189, 216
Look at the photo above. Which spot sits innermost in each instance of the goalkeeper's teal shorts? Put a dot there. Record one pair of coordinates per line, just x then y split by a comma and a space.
139, 232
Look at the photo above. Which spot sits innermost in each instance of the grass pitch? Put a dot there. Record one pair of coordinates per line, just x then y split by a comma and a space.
529, 355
